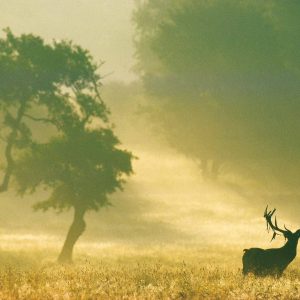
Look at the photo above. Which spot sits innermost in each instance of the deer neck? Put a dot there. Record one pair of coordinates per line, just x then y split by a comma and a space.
291, 246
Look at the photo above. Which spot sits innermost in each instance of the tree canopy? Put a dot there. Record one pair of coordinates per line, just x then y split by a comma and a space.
223, 83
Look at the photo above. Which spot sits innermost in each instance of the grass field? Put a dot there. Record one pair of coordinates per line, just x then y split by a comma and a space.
132, 272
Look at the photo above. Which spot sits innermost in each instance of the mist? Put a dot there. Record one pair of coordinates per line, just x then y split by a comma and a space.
184, 110
149, 149
166, 202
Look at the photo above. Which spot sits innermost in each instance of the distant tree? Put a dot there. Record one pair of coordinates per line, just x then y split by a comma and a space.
54, 88
221, 78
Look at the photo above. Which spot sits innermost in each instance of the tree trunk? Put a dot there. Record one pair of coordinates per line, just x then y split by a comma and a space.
210, 169
9, 148
215, 169
75, 231
204, 168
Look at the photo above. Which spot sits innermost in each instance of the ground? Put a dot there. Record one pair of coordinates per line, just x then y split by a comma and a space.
114, 271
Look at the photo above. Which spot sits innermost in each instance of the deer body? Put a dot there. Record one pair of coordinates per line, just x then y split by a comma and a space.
263, 262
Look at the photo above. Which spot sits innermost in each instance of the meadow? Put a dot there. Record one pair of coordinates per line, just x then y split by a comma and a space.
116, 271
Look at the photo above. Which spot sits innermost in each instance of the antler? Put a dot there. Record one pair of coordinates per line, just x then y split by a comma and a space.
268, 215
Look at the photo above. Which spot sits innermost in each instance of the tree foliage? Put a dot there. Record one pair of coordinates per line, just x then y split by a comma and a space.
224, 86
81, 169
57, 84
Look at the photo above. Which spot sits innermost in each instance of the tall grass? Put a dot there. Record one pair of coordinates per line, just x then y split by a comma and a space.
138, 272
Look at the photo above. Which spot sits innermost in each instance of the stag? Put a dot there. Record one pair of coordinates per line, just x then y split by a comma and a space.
263, 262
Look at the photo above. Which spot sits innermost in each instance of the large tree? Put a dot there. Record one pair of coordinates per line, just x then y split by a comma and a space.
221, 78
56, 131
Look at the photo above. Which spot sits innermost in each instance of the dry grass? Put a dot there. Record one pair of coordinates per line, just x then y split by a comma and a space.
124, 272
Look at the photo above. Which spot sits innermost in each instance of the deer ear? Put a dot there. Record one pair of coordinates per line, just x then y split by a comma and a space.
287, 235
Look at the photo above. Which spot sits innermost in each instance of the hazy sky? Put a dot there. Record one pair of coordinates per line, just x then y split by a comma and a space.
102, 26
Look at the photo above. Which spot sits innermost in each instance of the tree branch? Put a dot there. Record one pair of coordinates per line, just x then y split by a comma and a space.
97, 90
38, 119
3, 139
9, 148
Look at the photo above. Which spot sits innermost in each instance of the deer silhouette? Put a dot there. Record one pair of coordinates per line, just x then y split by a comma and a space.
263, 262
